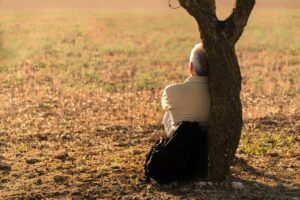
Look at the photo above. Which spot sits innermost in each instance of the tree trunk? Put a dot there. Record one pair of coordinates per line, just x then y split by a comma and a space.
219, 38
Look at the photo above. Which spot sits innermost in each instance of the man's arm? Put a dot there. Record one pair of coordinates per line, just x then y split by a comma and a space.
167, 122
165, 101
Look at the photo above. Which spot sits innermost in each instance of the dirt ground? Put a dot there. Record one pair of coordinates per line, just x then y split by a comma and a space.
69, 145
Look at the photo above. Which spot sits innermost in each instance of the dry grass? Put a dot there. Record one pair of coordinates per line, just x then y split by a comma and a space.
79, 100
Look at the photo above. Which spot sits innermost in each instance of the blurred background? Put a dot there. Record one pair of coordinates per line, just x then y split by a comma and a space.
124, 4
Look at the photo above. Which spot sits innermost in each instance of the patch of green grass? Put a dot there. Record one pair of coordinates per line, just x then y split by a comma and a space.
22, 147
261, 143
116, 159
146, 82
3, 68
120, 50
44, 106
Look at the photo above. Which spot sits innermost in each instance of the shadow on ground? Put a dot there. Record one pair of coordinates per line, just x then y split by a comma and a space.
107, 163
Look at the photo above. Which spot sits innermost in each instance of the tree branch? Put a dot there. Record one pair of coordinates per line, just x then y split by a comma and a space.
204, 11
234, 25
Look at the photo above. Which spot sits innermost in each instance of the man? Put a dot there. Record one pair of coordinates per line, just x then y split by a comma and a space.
183, 154
188, 101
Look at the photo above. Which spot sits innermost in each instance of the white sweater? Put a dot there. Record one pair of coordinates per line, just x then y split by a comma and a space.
187, 101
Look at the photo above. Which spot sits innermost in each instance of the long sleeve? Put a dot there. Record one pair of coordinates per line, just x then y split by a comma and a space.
165, 101
168, 122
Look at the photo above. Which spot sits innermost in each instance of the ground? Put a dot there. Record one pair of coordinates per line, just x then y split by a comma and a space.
80, 104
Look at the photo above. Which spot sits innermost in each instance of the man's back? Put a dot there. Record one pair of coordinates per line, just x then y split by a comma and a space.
185, 147
188, 101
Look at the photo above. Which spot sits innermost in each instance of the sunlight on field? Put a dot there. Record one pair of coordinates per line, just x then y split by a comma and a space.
116, 53
89, 83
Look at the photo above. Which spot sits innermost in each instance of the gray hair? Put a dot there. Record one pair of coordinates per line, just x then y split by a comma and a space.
199, 60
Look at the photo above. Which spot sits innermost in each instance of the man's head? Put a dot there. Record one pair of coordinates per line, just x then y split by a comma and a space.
198, 65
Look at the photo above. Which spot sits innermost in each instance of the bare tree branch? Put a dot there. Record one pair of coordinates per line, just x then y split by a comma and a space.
204, 11
234, 25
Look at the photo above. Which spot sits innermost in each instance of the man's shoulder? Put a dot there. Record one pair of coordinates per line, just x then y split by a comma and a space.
173, 87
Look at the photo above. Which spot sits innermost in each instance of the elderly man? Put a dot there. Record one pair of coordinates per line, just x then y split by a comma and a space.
188, 101
183, 153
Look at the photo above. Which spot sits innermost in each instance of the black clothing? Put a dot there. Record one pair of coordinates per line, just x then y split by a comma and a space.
181, 155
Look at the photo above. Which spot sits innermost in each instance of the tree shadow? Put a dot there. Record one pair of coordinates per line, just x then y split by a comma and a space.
190, 190
126, 180
273, 122
224, 190
242, 163
120, 187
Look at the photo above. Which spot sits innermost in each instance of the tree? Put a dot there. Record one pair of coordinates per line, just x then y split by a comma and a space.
219, 39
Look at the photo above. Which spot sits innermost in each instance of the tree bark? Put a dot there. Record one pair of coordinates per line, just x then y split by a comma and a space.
219, 39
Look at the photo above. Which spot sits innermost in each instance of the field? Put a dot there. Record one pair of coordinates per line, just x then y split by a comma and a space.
80, 103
